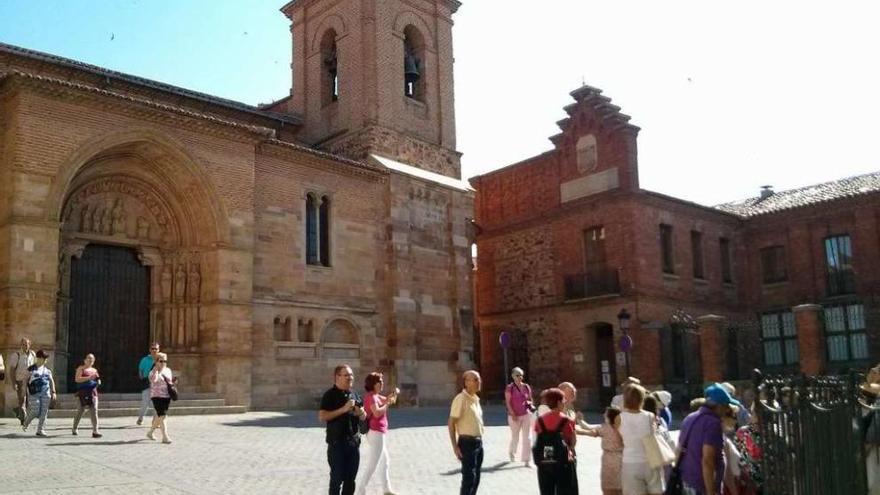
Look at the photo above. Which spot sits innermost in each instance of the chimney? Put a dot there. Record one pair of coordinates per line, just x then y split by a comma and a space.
766, 192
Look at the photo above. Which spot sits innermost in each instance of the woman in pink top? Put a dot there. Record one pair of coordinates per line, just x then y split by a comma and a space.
377, 406
160, 377
87, 381
518, 399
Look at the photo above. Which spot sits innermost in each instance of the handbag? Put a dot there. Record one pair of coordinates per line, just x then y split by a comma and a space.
657, 450
172, 389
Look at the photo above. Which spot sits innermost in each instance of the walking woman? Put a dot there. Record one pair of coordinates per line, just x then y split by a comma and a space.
160, 379
518, 398
634, 424
41, 392
612, 452
87, 381
377, 406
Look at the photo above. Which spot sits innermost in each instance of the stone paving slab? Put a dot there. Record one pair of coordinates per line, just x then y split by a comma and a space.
263, 453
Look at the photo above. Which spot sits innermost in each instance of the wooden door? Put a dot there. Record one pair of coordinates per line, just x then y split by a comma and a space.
606, 364
109, 315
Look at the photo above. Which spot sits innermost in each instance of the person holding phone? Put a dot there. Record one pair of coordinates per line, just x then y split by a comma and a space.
342, 410
160, 378
518, 399
376, 406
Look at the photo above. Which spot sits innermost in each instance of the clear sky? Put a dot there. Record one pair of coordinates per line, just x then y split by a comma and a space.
729, 95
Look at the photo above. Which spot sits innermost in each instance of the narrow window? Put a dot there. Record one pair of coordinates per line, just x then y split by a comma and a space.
726, 265
666, 248
779, 339
324, 229
413, 64
330, 69
839, 270
773, 265
845, 335
697, 253
311, 230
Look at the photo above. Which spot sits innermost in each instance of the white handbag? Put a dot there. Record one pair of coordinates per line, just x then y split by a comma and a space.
657, 450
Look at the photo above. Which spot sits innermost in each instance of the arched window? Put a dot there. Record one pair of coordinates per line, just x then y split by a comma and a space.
311, 230
330, 68
317, 230
340, 332
414, 63
324, 230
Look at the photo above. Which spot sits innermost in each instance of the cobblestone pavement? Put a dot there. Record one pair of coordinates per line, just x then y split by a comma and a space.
261, 453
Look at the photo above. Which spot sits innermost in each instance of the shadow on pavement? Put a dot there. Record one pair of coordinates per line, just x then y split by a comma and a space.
115, 442
501, 466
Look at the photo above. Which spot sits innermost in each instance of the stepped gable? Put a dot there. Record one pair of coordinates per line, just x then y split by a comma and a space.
805, 196
600, 107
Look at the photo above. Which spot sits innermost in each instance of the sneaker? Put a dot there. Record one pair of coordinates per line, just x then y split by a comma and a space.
74, 433
166, 440
140, 421
528, 464
512, 457
42, 434
96, 435
24, 427
150, 435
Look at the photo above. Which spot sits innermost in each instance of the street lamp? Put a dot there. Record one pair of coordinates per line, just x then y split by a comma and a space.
625, 341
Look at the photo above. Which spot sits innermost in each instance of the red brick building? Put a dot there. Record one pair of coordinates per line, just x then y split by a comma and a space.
567, 240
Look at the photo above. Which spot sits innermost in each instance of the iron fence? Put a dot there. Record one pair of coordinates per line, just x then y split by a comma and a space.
812, 438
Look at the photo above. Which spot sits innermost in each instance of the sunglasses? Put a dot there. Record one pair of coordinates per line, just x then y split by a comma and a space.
162, 361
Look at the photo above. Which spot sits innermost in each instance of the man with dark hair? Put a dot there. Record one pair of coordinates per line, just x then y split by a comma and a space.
18, 368
702, 440
145, 366
342, 410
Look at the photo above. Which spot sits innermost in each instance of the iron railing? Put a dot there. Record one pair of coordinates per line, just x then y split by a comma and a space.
592, 284
812, 443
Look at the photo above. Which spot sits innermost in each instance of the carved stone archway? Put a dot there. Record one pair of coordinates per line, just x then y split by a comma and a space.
139, 195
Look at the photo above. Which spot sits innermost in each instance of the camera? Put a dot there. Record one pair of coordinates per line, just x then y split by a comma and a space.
530, 406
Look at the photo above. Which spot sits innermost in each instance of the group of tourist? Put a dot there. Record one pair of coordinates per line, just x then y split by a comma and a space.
36, 392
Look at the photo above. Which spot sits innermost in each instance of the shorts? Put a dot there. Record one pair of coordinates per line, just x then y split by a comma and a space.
639, 478
160, 404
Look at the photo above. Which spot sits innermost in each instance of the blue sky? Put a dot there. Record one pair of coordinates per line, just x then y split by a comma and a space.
729, 96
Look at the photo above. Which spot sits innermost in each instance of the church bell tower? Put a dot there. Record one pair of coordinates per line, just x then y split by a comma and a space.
375, 77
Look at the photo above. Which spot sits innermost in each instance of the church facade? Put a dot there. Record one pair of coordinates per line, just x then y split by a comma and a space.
261, 246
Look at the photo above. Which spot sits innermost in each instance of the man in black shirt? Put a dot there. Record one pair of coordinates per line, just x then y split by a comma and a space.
342, 410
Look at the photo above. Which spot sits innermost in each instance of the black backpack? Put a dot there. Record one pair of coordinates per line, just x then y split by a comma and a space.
550, 448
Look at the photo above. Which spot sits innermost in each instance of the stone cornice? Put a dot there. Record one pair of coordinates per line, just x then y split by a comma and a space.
287, 151
138, 107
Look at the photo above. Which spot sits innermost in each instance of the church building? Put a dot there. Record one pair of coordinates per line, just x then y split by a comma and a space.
261, 246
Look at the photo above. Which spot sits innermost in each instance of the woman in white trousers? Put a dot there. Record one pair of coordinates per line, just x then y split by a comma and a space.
518, 399
377, 406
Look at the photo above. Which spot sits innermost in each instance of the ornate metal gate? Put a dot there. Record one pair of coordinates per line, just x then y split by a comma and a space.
109, 315
811, 433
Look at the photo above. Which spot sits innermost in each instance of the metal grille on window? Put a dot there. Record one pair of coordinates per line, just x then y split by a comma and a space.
779, 337
840, 274
846, 339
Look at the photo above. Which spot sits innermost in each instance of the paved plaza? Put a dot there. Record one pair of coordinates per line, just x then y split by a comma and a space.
264, 452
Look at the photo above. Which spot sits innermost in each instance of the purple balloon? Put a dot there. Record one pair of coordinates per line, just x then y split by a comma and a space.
626, 343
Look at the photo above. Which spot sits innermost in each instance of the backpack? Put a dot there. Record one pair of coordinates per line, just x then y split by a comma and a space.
550, 448
38, 384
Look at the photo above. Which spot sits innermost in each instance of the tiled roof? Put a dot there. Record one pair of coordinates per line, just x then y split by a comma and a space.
140, 81
804, 196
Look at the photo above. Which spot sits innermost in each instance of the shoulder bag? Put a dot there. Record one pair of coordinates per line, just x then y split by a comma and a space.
172, 388
657, 450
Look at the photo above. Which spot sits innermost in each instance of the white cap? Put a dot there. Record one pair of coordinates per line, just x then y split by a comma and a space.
516, 371
729, 388
664, 397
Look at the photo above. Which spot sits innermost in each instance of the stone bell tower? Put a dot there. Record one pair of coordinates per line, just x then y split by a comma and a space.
375, 77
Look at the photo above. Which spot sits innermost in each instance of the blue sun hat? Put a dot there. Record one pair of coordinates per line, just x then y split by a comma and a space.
717, 395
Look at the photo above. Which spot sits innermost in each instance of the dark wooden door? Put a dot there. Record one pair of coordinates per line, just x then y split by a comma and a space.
606, 364
109, 315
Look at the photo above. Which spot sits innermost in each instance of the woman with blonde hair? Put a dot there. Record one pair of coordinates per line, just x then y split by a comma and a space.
160, 380
634, 424
87, 381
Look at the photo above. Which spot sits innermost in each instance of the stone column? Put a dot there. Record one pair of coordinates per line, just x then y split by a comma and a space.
808, 320
711, 349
